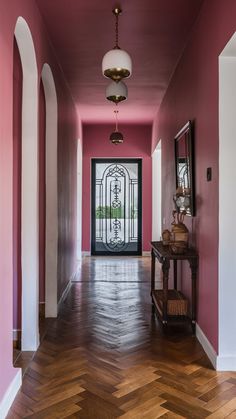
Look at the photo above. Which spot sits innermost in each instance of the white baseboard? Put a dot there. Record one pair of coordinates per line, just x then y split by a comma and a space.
219, 362
207, 346
146, 253
10, 395
64, 294
226, 363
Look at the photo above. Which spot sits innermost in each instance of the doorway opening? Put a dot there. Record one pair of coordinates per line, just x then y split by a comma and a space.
51, 191
42, 199
79, 200
226, 359
29, 188
116, 207
156, 194
17, 163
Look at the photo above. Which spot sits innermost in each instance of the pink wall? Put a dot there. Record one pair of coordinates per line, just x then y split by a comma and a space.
137, 143
67, 183
193, 94
68, 132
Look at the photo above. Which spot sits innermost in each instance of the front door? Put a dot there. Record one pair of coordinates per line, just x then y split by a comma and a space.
116, 207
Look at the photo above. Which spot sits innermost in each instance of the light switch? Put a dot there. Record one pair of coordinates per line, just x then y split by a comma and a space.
209, 174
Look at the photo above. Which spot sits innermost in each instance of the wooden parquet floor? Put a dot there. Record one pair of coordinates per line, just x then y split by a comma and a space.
106, 357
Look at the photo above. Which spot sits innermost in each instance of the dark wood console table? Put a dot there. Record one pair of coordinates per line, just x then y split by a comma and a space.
164, 256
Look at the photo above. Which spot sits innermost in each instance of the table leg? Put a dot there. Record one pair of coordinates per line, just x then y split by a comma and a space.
165, 270
153, 271
193, 266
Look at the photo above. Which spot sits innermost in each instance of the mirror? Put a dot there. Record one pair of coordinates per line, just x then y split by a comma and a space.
184, 166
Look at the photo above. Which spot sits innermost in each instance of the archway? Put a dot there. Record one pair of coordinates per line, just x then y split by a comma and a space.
17, 146
42, 198
226, 359
29, 186
51, 238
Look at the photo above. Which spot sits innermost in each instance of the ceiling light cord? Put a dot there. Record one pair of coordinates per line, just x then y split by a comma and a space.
116, 117
117, 32
116, 137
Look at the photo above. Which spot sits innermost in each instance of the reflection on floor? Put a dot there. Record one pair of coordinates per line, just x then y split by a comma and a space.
22, 359
102, 247
107, 357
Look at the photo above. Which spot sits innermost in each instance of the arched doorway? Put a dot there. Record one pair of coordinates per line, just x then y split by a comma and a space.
51, 221
17, 146
29, 187
42, 198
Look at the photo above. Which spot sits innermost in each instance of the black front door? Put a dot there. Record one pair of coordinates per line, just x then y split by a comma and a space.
116, 207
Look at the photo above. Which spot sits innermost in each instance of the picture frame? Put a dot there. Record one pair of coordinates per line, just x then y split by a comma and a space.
184, 164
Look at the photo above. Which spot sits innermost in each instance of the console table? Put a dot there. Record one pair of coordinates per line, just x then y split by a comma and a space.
164, 256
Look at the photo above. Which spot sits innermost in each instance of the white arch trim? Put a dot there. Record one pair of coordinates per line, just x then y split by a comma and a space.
226, 359
29, 217
51, 193
79, 199
156, 193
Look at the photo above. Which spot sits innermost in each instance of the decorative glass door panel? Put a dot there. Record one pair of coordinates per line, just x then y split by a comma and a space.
116, 206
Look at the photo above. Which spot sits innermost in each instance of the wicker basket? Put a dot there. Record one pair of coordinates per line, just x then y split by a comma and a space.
177, 304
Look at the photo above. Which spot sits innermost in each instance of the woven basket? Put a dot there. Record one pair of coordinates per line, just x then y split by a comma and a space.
177, 304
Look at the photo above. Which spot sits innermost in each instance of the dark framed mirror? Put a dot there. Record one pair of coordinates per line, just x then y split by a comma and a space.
184, 166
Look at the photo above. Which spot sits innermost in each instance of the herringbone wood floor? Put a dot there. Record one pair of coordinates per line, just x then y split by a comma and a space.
106, 357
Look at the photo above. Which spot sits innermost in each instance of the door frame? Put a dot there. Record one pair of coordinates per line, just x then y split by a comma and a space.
93, 206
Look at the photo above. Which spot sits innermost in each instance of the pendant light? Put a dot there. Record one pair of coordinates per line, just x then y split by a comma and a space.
116, 63
116, 137
116, 92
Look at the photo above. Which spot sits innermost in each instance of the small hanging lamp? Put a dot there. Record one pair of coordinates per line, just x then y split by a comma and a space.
116, 92
116, 137
116, 63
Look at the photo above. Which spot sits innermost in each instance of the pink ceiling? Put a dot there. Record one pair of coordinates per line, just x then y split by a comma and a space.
154, 32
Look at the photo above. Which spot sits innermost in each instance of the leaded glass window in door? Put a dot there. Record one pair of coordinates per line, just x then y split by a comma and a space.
116, 206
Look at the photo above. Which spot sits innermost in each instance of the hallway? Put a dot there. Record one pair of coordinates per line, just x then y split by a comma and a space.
105, 356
